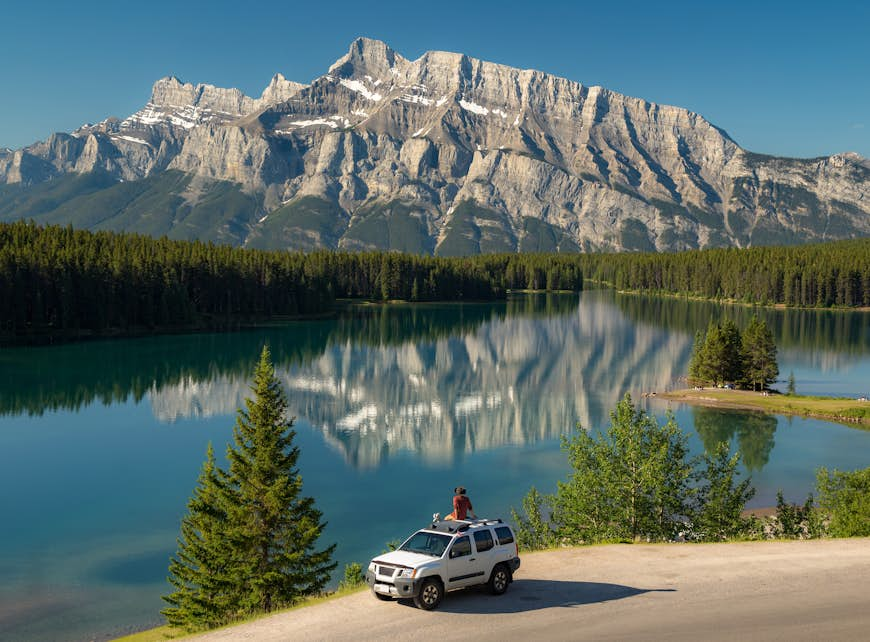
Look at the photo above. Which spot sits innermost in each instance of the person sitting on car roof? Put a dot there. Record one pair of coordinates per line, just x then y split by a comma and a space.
461, 505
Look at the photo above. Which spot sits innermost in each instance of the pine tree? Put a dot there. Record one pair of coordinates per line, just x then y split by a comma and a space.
713, 357
696, 365
204, 595
732, 365
274, 528
759, 354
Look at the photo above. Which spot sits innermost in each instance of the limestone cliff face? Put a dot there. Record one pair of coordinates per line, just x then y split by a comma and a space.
481, 156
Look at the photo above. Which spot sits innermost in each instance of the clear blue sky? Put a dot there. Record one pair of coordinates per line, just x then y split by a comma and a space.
785, 78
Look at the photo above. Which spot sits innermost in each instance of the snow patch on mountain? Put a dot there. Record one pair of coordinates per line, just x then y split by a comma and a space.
360, 88
130, 139
474, 108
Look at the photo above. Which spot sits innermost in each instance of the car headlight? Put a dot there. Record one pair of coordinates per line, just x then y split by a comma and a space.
372, 567
407, 572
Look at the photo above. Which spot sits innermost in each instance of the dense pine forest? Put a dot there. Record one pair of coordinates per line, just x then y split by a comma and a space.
56, 281
822, 275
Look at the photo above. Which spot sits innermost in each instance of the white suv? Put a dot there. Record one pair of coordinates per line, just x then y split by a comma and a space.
446, 556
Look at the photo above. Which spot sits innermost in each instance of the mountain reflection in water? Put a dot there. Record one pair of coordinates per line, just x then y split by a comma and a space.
436, 380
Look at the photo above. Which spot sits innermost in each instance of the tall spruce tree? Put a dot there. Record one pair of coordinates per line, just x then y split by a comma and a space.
759, 355
732, 366
715, 355
274, 528
696, 364
205, 595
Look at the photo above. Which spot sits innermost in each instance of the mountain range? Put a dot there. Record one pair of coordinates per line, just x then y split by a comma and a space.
445, 154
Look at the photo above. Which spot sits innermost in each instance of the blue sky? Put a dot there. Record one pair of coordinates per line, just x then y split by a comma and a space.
785, 78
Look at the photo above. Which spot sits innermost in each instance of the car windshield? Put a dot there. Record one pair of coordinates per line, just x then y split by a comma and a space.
432, 544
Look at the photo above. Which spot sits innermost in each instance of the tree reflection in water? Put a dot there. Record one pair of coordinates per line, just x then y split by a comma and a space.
754, 432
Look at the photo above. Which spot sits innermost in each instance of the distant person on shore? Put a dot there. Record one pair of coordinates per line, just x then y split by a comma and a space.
461, 505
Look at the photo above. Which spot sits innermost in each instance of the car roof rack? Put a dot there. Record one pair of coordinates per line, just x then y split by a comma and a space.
462, 525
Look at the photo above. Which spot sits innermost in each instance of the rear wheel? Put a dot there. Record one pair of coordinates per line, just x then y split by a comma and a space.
430, 594
499, 580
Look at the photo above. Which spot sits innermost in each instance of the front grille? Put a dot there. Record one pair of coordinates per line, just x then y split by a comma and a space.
384, 569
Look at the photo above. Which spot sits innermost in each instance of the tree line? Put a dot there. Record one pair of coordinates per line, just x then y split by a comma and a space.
59, 281
635, 481
819, 275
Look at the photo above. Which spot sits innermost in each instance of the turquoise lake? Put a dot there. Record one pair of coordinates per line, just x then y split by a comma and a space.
102, 441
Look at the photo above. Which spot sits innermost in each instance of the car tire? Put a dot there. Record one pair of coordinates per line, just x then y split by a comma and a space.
429, 597
499, 579
382, 597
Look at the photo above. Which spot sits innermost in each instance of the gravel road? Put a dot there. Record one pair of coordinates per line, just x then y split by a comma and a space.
814, 590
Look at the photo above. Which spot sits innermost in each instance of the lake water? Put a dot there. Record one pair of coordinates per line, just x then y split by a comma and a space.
102, 442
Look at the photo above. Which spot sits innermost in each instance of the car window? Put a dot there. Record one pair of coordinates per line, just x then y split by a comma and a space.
504, 534
461, 547
483, 541
426, 543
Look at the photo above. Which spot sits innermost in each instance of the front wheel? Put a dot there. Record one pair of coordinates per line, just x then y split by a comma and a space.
499, 580
430, 594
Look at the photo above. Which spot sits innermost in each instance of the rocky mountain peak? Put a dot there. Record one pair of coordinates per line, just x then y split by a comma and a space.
171, 92
278, 90
367, 57
455, 155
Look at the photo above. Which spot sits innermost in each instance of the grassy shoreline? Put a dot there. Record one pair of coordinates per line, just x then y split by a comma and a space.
851, 412
685, 296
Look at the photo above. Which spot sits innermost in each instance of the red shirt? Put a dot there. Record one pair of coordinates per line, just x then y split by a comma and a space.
461, 506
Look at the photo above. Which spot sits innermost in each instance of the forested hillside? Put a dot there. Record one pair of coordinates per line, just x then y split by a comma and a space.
822, 275
57, 281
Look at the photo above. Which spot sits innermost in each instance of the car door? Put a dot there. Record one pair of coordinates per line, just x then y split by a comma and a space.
464, 567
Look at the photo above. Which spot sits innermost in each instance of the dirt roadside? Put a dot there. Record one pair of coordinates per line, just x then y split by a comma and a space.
814, 590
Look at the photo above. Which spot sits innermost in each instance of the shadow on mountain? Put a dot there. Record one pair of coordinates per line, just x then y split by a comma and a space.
534, 595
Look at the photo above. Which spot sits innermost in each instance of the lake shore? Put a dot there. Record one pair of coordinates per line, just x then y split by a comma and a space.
684, 296
852, 412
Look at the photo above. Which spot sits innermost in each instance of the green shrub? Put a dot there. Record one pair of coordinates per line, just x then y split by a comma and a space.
533, 530
721, 498
844, 498
794, 521
353, 576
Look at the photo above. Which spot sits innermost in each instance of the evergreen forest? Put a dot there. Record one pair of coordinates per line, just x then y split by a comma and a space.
60, 282
819, 275
56, 281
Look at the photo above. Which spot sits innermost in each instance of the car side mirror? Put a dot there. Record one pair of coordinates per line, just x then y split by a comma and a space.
453, 553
